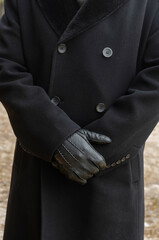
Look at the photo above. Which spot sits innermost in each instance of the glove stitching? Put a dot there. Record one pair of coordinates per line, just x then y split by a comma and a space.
91, 146
73, 170
82, 136
70, 152
64, 158
91, 162
75, 146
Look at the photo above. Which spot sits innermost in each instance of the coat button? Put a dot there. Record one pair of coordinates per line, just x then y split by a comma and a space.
100, 107
55, 100
107, 52
62, 48
128, 156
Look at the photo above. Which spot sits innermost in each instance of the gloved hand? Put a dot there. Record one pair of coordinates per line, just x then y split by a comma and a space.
77, 159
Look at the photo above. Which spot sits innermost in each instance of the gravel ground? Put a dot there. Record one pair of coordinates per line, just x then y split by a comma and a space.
7, 141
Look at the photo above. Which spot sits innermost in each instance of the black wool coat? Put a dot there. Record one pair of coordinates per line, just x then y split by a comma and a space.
65, 67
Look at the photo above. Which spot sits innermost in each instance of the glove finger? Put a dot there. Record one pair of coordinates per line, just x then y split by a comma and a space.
83, 174
70, 161
92, 155
97, 159
90, 168
95, 137
82, 165
62, 158
71, 174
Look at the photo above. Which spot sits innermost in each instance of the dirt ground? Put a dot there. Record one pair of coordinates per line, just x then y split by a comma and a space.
7, 141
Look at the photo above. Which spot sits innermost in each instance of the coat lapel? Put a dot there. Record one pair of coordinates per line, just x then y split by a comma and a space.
68, 19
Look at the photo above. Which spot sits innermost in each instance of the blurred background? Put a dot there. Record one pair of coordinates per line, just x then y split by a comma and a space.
151, 170
1, 7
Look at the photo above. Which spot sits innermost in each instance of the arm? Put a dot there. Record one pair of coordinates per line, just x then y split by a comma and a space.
131, 119
39, 125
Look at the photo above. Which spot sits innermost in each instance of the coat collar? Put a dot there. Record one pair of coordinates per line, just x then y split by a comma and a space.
68, 19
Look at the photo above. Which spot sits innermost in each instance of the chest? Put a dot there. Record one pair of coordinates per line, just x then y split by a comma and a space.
124, 32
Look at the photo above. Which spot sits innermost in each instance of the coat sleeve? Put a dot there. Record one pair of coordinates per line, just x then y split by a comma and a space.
39, 125
132, 117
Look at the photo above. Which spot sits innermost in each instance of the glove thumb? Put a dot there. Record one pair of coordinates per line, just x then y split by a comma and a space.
95, 137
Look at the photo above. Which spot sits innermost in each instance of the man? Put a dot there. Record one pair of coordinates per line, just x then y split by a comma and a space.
80, 84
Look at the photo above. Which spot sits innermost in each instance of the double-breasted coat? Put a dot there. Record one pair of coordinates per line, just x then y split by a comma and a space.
65, 67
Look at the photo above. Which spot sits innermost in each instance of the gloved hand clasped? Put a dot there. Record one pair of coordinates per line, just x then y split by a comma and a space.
77, 159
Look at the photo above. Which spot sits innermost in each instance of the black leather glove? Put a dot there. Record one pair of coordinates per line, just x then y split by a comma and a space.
77, 159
